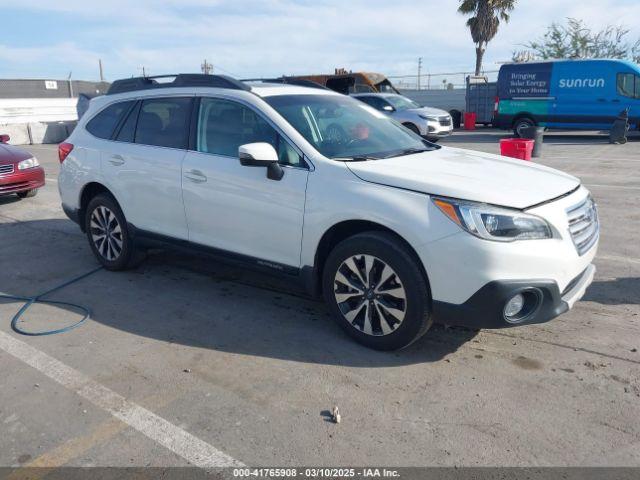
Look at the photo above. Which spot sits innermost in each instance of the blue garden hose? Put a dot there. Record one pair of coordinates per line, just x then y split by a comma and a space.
38, 299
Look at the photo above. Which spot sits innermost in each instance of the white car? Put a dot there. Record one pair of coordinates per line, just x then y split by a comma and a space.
393, 231
428, 122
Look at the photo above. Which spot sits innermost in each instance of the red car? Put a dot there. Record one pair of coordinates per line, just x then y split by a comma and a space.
20, 172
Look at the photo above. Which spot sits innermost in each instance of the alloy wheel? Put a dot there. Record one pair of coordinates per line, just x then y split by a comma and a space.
370, 295
106, 233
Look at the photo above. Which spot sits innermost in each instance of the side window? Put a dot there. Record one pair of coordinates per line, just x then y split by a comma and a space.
103, 124
164, 122
626, 85
637, 86
128, 130
224, 125
376, 102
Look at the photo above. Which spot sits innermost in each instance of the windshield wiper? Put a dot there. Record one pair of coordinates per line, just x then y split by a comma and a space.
355, 158
408, 151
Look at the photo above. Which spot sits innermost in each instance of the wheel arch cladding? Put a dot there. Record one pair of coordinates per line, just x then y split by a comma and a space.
343, 230
89, 191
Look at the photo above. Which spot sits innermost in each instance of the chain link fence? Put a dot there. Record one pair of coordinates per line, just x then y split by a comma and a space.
437, 81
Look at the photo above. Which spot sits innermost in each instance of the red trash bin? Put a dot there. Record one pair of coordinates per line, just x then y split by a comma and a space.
516, 148
469, 120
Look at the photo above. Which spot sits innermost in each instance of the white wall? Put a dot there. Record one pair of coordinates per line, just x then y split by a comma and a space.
27, 110
37, 120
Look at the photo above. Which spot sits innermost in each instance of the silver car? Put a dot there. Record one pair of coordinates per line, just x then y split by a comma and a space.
430, 123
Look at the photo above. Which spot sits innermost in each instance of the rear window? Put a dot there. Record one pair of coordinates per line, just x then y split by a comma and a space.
164, 122
105, 122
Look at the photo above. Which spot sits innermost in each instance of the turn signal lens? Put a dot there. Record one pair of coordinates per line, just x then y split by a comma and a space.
449, 210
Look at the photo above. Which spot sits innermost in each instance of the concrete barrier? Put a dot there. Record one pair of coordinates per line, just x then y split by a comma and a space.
19, 133
37, 132
49, 132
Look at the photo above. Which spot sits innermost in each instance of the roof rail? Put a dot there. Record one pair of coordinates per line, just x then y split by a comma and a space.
288, 81
179, 80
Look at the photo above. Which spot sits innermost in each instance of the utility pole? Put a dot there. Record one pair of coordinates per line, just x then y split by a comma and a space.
206, 67
101, 72
419, 71
70, 85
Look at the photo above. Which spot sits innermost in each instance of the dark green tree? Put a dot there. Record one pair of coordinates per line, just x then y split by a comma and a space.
484, 22
576, 40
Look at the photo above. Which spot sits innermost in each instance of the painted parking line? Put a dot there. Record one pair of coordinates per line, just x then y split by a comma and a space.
617, 258
622, 187
191, 448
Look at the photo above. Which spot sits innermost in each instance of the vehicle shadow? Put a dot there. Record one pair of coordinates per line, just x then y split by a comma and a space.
619, 291
195, 301
9, 199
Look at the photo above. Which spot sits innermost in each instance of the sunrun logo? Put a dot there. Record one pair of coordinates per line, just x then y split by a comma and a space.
581, 82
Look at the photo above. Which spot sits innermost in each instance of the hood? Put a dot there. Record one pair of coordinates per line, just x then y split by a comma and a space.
469, 175
430, 111
11, 154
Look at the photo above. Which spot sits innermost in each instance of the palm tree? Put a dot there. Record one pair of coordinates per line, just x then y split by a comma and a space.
485, 22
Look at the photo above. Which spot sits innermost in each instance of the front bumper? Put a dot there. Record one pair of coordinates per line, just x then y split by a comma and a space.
436, 130
21, 181
485, 308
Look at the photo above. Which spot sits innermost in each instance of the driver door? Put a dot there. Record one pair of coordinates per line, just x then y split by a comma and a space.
236, 208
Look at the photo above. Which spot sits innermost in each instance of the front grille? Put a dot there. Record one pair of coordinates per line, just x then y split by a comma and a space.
445, 121
583, 225
4, 169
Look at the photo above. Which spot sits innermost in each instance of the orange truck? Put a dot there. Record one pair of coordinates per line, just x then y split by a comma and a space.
346, 82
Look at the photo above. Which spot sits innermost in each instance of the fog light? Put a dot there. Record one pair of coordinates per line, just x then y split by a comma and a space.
513, 307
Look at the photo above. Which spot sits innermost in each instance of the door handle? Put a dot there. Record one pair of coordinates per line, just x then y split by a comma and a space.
602, 99
196, 176
617, 100
116, 160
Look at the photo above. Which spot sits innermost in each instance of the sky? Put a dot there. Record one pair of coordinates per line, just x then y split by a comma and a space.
257, 38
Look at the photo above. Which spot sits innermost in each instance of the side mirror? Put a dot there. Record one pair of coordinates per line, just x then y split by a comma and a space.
388, 108
261, 154
4, 138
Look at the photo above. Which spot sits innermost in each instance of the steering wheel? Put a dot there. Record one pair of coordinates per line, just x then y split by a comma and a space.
336, 134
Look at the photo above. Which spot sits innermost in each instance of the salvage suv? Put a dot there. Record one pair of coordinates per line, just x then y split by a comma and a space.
395, 232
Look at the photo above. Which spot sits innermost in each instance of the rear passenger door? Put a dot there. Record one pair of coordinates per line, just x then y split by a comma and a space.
143, 164
236, 208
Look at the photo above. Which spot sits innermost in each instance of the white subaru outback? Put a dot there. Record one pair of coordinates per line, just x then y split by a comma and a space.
393, 231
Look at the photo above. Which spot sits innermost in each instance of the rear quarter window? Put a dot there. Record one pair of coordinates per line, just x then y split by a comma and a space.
105, 122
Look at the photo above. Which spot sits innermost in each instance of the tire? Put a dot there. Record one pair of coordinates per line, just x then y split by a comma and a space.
116, 251
412, 127
394, 323
520, 124
28, 193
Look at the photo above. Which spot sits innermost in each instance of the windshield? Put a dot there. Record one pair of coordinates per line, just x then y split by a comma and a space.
340, 127
401, 103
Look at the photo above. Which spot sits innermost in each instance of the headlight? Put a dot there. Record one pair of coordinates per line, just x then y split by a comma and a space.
28, 163
494, 223
429, 117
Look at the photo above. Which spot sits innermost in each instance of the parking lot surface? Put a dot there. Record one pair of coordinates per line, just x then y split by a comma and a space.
187, 361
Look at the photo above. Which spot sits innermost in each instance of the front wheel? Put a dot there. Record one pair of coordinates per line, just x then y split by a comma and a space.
107, 232
412, 127
28, 193
376, 291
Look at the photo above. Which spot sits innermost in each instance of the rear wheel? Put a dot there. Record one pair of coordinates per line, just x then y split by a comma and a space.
376, 291
107, 232
520, 124
28, 193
